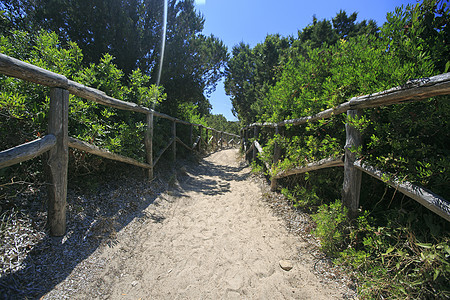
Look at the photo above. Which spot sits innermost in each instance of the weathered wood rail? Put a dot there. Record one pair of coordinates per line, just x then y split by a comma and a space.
56, 143
413, 90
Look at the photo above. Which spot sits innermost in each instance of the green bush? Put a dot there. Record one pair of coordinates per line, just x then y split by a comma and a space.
405, 256
399, 249
24, 105
330, 224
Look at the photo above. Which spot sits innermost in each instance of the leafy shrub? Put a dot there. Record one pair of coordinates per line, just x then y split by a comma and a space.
301, 197
27, 103
256, 168
330, 220
399, 249
405, 257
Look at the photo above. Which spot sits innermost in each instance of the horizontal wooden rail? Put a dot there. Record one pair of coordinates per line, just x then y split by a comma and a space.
26, 151
84, 146
19, 69
425, 197
413, 90
16, 68
321, 164
100, 97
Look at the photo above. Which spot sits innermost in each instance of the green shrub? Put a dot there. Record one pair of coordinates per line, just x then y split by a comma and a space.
406, 257
331, 221
24, 105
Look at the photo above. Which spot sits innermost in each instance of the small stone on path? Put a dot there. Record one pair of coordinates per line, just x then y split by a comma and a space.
286, 265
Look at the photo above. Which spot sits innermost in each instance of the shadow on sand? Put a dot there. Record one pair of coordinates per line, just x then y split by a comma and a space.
95, 215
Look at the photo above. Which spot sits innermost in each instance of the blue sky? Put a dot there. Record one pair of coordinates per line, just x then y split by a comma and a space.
250, 21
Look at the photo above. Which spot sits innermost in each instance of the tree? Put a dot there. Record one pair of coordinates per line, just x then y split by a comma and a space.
418, 31
239, 82
221, 123
193, 63
131, 31
252, 72
317, 34
123, 28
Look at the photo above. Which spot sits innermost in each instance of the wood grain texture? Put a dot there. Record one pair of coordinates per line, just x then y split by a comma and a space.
57, 163
352, 177
84, 146
19, 69
433, 202
321, 164
26, 151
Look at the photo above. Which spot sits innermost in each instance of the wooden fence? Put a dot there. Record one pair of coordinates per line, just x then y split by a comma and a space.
57, 141
413, 90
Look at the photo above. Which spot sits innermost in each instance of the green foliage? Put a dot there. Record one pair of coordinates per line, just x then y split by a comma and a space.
394, 253
251, 73
411, 142
418, 31
332, 75
256, 168
302, 197
330, 221
131, 32
302, 145
221, 123
399, 249
25, 105
407, 256
190, 113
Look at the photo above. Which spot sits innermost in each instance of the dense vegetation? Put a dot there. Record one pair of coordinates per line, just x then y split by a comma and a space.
395, 247
131, 32
64, 37
113, 46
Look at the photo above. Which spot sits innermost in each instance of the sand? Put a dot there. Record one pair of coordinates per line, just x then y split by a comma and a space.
209, 237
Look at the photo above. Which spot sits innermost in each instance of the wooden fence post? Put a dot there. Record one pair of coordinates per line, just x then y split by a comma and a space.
352, 176
149, 144
200, 140
242, 140
57, 162
174, 145
206, 140
255, 136
246, 142
191, 132
276, 157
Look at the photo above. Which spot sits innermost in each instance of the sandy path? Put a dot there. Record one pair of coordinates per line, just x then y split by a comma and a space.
209, 238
